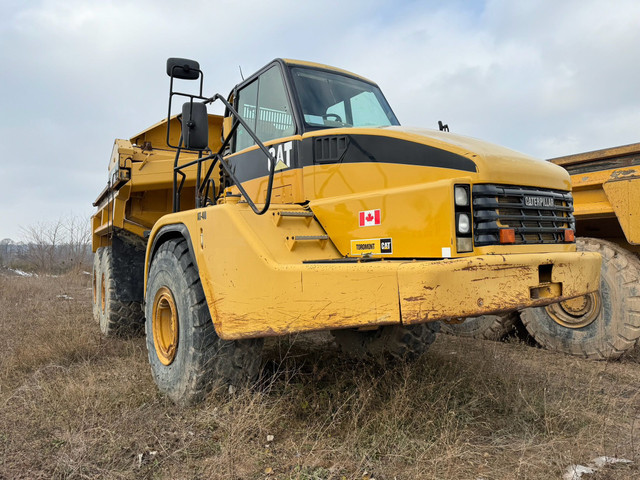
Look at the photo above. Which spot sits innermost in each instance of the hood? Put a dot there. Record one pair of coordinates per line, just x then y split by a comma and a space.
495, 164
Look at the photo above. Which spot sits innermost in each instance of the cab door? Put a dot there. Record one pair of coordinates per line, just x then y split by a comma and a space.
265, 106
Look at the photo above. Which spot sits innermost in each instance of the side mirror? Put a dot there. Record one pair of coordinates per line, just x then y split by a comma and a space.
195, 126
183, 68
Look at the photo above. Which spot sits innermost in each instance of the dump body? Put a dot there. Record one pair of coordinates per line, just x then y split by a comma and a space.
139, 190
606, 191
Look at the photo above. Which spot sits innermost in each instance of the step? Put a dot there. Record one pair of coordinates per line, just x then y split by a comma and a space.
294, 239
305, 214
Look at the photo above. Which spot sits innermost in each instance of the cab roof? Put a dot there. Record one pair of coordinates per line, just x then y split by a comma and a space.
322, 66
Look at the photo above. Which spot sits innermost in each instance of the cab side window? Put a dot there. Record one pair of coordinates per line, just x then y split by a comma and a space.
247, 101
264, 105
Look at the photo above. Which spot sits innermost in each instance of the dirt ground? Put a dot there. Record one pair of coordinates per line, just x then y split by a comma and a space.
77, 405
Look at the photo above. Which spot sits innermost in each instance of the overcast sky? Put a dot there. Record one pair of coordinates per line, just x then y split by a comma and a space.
547, 78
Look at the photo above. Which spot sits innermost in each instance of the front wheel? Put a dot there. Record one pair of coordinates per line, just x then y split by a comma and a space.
602, 325
187, 357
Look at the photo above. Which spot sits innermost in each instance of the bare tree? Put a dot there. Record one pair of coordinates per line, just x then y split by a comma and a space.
57, 246
41, 241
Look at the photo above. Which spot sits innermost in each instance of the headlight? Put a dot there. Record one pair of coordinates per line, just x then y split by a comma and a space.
464, 225
463, 217
461, 195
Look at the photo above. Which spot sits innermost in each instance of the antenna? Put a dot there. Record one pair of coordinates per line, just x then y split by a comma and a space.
241, 75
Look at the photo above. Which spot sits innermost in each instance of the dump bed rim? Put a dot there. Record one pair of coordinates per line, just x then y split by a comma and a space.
601, 154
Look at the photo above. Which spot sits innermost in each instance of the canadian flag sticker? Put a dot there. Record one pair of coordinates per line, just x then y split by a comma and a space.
369, 218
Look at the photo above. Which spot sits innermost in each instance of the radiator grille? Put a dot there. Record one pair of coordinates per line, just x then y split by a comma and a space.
537, 215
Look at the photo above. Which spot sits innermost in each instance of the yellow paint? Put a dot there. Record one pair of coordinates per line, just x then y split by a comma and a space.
156, 134
591, 203
624, 195
612, 194
409, 212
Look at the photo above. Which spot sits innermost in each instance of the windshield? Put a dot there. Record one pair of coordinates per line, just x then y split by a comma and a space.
333, 100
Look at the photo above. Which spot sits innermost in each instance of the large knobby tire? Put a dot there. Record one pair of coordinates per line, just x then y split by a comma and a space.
96, 284
187, 357
117, 317
406, 342
610, 324
486, 327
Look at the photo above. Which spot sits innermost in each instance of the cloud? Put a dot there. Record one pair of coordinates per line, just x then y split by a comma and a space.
543, 77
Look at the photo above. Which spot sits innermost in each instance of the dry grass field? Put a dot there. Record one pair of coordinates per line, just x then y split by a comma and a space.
76, 405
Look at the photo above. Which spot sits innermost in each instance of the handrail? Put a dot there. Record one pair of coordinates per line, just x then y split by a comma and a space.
217, 157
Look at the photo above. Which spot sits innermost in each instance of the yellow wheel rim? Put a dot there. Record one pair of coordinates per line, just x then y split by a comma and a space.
165, 326
576, 312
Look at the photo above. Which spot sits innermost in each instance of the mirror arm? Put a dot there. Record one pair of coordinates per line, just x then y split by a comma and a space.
225, 144
176, 193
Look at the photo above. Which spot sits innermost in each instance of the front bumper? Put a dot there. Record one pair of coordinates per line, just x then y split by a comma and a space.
493, 283
258, 298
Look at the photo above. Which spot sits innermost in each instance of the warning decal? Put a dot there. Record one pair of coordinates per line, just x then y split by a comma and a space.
369, 218
373, 246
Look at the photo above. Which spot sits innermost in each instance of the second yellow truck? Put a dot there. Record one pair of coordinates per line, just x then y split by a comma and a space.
306, 206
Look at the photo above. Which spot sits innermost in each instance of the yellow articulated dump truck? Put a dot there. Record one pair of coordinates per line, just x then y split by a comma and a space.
307, 207
603, 324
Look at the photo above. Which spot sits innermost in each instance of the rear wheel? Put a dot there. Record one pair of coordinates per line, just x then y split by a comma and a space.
96, 284
187, 357
487, 327
396, 341
117, 317
601, 325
